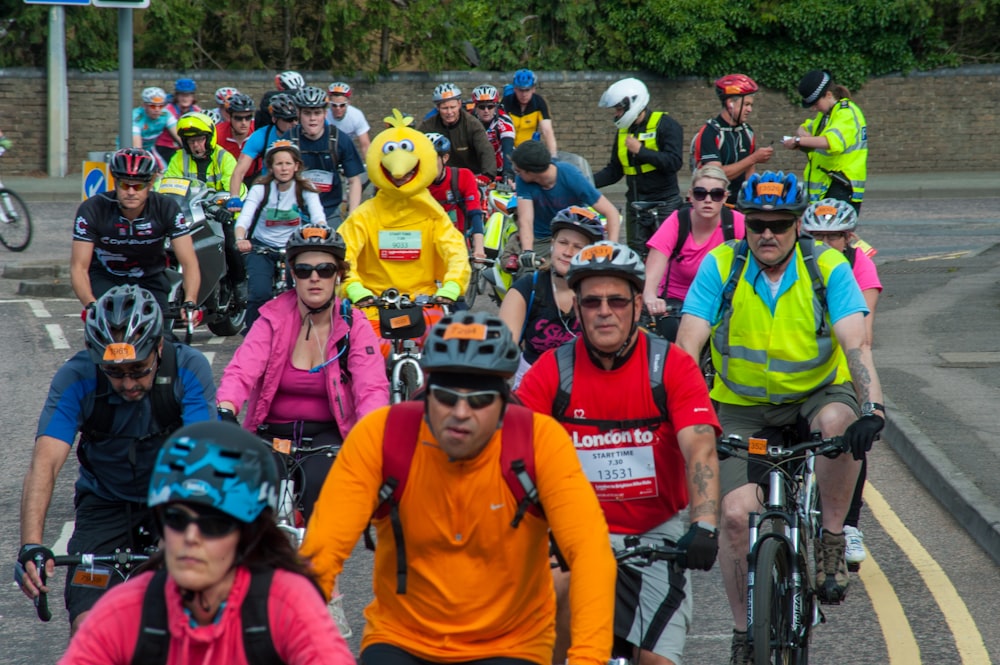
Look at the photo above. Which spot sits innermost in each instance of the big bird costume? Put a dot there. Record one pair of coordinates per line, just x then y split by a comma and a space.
402, 238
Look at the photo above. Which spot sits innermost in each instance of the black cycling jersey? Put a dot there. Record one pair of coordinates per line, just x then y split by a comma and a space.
129, 248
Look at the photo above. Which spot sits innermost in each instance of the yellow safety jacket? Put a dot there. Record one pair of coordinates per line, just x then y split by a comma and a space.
220, 169
648, 139
779, 358
846, 131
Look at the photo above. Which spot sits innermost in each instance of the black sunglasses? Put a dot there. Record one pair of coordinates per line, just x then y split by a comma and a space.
486, 107
305, 270
616, 303
479, 399
241, 118
777, 227
211, 525
718, 194
113, 372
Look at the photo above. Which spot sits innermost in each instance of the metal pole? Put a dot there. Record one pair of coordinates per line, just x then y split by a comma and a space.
125, 77
58, 95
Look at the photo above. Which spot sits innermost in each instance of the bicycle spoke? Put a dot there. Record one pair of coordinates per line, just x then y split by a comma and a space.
15, 222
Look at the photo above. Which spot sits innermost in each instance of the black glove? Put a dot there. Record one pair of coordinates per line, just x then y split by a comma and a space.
862, 432
36, 554
227, 415
700, 545
527, 260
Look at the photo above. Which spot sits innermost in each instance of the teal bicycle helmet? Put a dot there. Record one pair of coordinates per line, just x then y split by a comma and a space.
471, 343
772, 192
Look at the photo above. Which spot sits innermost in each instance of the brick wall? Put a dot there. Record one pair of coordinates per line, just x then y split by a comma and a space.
928, 121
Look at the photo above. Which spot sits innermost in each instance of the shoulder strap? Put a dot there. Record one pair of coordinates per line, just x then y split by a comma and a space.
808, 246
565, 359
344, 343
728, 224
531, 303
457, 195
257, 643
683, 231
153, 642
334, 141
260, 209
166, 407
851, 253
517, 460
656, 350
102, 417
729, 288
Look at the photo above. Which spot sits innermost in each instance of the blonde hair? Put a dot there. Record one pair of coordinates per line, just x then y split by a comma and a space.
710, 171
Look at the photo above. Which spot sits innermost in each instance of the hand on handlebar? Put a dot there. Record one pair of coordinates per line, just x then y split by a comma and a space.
701, 546
244, 245
527, 260
655, 306
234, 204
367, 301
862, 433
26, 569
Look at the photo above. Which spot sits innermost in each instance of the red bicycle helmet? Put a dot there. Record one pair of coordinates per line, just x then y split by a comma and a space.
134, 163
735, 85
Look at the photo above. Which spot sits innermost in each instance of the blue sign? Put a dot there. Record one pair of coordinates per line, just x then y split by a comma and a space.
94, 181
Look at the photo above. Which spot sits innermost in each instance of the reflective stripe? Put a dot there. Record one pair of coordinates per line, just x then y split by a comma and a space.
845, 119
648, 141
213, 179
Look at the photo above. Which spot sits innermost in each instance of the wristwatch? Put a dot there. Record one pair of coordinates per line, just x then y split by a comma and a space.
869, 408
798, 140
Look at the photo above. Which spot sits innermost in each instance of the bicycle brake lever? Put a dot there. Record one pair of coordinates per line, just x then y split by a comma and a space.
41, 600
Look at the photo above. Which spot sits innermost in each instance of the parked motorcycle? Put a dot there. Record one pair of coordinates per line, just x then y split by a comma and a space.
221, 298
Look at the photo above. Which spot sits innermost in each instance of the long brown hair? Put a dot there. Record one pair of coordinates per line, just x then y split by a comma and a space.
299, 183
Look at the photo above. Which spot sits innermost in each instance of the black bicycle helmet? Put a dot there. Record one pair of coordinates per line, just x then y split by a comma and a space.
282, 107
584, 220
216, 464
124, 326
240, 103
607, 258
133, 163
772, 192
310, 97
315, 238
471, 343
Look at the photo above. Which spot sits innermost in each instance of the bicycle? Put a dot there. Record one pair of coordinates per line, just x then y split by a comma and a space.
15, 220
781, 598
477, 280
122, 563
648, 218
279, 282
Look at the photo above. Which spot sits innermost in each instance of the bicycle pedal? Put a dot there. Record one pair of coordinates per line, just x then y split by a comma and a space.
853, 567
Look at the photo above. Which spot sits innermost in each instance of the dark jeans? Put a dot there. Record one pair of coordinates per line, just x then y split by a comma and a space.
386, 654
260, 280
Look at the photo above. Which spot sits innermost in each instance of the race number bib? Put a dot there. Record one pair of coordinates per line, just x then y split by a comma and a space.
399, 245
620, 474
322, 180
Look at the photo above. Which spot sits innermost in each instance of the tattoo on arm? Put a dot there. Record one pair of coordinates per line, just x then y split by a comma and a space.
699, 477
704, 429
859, 373
705, 509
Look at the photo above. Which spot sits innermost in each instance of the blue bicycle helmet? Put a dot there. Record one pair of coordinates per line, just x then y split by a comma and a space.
185, 86
442, 145
524, 78
772, 192
219, 465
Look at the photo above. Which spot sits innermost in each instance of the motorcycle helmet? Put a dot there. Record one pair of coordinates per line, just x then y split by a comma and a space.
631, 94
195, 124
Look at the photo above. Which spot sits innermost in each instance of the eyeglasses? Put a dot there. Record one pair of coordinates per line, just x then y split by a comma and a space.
718, 194
338, 105
616, 303
486, 107
210, 525
479, 399
134, 186
156, 106
242, 118
113, 372
305, 270
777, 227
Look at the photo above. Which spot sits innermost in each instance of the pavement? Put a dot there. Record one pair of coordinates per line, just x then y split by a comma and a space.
941, 384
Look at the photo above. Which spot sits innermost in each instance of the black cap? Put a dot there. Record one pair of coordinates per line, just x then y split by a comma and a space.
813, 85
532, 156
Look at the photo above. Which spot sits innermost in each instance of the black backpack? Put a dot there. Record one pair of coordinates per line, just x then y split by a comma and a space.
684, 230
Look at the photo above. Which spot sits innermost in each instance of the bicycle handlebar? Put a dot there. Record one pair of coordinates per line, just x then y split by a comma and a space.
124, 558
734, 444
647, 554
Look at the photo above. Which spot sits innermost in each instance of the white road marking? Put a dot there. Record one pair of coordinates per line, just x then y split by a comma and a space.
216, 340
56, 335
38, 309
59, 548
210, 355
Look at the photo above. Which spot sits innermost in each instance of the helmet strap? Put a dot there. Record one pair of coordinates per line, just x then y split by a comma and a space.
315, 310
618, 357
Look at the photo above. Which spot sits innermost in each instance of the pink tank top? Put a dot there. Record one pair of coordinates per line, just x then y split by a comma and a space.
300, 396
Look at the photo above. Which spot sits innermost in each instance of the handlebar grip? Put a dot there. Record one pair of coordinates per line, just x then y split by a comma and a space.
42, 600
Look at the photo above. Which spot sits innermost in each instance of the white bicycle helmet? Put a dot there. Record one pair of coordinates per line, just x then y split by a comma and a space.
607, 258
290, 80
222, 95
485, 93
632, 94
829, 216
447, 91
154, 95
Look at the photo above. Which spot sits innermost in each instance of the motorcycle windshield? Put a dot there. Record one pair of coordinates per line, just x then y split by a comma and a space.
188, 193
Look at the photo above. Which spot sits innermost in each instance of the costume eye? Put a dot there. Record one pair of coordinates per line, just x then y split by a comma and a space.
406, 144
390, 146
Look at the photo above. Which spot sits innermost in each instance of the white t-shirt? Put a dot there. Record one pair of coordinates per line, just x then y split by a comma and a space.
280, 215
353, 123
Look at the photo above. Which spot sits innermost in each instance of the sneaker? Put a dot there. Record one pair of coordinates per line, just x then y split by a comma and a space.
741, 651
832, 578
855, 550
336, 608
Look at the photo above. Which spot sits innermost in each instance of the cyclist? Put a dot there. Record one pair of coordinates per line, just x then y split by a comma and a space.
402, 238
539, 306
728, 140
835, 141
150, 120
217, 546
528, 112
833, 222
286, 82
124, 394
470, 147
480, 594
346, 117
783, 358
673, 261
183, 102
666, 450
544, 188
499, 128
278, 204
250, 162
118, 237
233, 133
326, 151
457, 191
202, 158
648, 151
220, 113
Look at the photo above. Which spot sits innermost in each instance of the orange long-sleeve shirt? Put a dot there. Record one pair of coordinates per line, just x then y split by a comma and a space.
476, 587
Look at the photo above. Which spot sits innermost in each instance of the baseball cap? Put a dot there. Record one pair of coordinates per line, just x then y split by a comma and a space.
532, 156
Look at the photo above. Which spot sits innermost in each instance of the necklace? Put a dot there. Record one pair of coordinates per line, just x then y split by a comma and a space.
555, 301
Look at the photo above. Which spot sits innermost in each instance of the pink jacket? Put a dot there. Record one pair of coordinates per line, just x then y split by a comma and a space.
301, 628
254, 372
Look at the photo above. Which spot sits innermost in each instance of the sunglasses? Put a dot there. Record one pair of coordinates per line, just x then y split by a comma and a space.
305, 270
479, 399
777, 227
339, 105
134, 186
486, 107
156, 106
212, 525
135, 375
718, 194
242, 118
616, 303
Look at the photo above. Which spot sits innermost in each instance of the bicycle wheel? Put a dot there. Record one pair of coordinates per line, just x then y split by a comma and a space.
473, 289
15, 222
772, 605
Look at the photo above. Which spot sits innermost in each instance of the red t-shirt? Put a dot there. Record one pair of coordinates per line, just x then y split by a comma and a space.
468, 191
638, 473
224, 137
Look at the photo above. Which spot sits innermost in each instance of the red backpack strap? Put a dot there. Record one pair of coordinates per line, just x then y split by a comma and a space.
517, 460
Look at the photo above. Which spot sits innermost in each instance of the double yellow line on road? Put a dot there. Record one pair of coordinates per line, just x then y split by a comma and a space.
899, 638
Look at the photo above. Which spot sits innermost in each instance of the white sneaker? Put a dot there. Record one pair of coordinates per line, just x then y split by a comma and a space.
336, 607
855, 550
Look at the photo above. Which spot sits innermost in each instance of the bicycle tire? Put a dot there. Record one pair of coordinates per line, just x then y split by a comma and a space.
472, 291
15, 221
409, 378
772, 604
